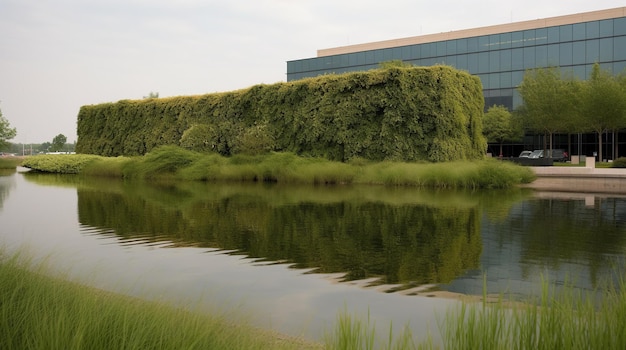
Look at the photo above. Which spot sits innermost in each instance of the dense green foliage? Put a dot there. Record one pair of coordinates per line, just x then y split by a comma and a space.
556, 102
6, 132
38, 311
178, 163
397, 113
499, 125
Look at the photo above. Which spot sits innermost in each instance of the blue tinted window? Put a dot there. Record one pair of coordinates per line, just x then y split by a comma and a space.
606, 50
553, 55
553, 34
416, 51
541, 36
566, 56
529, 57
369, 57
541, 56
592, 51
494, 41
427, 50
529, 37
579, 31
505, 60
483, 43
441, 48
461, 62
619, 26
461, 45
494, 80
619, 48
484, 79
494, 61
566, 33
472, 63
579, 52
517, 39
606, 28
472, 44
517, 59
505, 80
505, 40
517, 77
451, 47
593, 29
396, 53
483, 62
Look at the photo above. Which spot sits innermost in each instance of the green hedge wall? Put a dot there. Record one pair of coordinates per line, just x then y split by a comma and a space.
399, 113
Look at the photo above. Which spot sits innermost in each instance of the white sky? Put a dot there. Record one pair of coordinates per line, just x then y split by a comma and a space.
57, 55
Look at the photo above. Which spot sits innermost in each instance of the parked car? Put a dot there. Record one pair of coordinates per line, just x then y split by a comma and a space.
558, 155
538, 153
525, 154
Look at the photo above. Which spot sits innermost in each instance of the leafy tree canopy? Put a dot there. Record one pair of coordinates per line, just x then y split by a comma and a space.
499, 125
58, 142
6, 132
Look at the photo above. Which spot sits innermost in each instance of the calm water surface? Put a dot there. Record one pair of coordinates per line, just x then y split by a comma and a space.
294, 257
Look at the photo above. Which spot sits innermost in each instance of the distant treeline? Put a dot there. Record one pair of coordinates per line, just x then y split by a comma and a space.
398, 113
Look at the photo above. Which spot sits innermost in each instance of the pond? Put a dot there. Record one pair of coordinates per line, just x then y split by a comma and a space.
295, 257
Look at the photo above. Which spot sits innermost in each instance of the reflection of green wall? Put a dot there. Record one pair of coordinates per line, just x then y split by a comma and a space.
407, 243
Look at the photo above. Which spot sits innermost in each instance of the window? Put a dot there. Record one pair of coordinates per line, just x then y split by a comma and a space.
483, 62
579, 31
441, 48
494, 61
461, 46
619, 49
517, 59
483, 43
606, 28
606, 50
592, 51
579, 52
553, 35
517, 39
529, 58
472, 44
566, 57
541, 56
451, 47
472, 63
566, 33
619, 26
529, 37
505, 60
553, 55
592, 30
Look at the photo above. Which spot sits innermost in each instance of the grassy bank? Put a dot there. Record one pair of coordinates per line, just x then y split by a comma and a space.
563, 319
176, 163
9, 162
41, 312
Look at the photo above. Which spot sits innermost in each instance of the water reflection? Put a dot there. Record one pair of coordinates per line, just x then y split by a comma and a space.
6, 183
402, 238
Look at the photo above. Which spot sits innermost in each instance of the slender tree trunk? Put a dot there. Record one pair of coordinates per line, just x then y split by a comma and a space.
600, 146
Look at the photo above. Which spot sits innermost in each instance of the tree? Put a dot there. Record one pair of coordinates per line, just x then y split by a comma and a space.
58, 142
604, 104
499, 126
6, 132
549, 101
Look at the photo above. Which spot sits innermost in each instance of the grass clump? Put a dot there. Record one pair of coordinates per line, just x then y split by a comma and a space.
59, 163
9, 162
170, 162
42, 312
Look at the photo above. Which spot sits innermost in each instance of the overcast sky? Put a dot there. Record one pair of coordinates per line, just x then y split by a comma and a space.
57, 55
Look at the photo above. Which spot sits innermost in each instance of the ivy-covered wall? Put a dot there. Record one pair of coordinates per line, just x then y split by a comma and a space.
399, 113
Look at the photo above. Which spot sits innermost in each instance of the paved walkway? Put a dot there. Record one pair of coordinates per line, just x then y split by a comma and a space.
579, 179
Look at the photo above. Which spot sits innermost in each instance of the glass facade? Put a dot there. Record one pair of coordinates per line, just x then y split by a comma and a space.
500, 61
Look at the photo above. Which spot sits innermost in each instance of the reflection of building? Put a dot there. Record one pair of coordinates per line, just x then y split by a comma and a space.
498, 54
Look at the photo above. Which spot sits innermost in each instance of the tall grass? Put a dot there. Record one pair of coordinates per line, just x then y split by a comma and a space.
175, 163
9, 162
41, 312
557, 319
